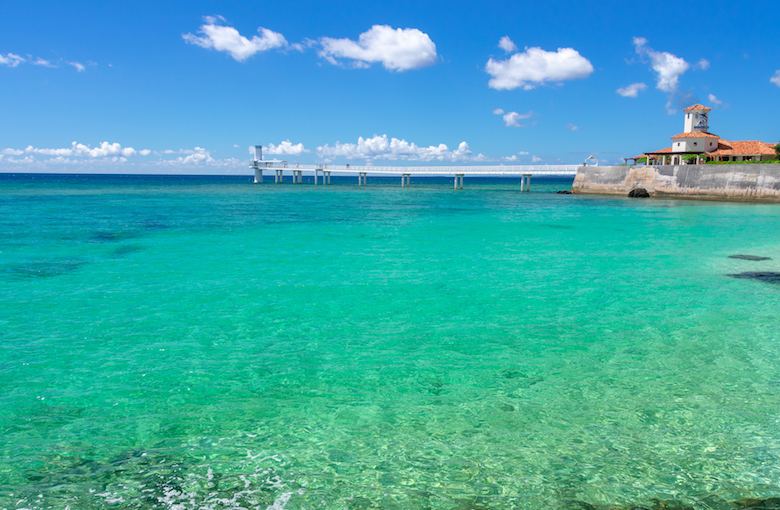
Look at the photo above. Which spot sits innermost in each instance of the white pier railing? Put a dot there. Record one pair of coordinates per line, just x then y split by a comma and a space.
422, 170
458, 172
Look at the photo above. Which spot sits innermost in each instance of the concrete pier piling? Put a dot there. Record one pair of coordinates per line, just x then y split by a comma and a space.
459, 181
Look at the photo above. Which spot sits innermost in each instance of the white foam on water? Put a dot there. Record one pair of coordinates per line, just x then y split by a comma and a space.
281, 501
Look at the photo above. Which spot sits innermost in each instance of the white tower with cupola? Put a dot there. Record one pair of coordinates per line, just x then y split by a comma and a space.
697, 119
696, 138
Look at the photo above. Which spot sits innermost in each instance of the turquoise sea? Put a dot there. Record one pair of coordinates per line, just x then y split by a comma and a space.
207, 343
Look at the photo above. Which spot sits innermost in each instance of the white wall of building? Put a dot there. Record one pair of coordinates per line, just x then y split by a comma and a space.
696, 121
704, 144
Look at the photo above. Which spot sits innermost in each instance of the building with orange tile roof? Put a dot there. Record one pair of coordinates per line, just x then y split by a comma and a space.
697, 141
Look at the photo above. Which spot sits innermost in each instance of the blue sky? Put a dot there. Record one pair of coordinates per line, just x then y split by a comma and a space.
188, 87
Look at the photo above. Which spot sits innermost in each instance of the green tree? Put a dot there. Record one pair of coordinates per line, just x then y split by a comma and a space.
777, 150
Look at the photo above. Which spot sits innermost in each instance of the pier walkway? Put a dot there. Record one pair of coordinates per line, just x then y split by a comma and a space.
405, 172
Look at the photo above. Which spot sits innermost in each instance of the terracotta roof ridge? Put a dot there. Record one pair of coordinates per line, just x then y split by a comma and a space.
698, 106
701, 134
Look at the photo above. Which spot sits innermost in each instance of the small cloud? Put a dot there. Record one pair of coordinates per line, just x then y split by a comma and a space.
536, 159
41, 62
776, 78
535, 67
304, 45
510, 158
144, 152
716, 103
702, 65
79, 67
286, 148
668, 69
235, 146
507, 45
498, 111
524, 153
400, 49
512, 119
571, 127
11, 60
632, 90
228, 39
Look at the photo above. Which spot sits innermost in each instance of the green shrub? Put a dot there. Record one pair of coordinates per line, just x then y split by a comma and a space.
773, 161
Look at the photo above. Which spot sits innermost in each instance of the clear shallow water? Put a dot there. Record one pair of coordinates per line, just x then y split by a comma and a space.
201, 342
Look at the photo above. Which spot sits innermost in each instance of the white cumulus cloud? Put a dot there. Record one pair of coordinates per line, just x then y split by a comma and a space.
498, 111
11, 60
197, 156
114, 157
632, 90
536, 159
668, 67
382, 147
776, 78
81, 150
535, 67
512, 119
702, 65
400, 49
506, 44
285, 148
228, 39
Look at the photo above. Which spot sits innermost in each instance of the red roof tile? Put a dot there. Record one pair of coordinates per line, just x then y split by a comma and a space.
667, 150
703, 134
697, 106
743, 148
727, 148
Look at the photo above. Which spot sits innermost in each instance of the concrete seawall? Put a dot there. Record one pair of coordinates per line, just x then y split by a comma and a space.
747, 183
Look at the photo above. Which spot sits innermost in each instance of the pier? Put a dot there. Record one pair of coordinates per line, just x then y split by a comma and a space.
524, 172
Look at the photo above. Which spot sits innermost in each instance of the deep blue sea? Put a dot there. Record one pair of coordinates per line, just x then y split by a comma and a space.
181, 342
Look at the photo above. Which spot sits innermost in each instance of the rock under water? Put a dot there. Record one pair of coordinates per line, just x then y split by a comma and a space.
749, 257
762, 276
